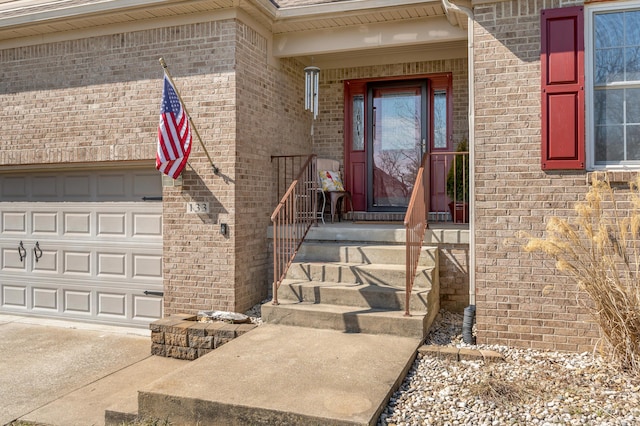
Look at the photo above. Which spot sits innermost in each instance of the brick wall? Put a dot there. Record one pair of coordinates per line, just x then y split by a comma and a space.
453, 264
198, 259
271, 121
97, 100
513, 194
106, 91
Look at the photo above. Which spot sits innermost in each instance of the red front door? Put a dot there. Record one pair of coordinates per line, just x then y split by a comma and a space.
388, 126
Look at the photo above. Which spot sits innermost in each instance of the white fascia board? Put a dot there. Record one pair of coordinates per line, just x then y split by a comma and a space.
76, 10
407, 33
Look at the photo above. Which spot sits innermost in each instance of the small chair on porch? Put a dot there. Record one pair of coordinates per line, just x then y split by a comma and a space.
330, 181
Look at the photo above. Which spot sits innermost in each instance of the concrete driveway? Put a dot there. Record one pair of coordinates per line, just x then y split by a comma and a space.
67, 373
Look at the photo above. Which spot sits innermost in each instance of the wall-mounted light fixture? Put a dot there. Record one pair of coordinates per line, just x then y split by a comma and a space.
312, 82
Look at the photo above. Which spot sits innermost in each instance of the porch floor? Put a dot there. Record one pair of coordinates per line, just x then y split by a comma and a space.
384, 232
279, 374
387, 232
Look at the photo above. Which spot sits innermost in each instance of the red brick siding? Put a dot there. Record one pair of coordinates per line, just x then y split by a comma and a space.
514, 195
97, 100
271, 121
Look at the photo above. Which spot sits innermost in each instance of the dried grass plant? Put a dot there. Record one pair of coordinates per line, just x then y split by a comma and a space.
600, 251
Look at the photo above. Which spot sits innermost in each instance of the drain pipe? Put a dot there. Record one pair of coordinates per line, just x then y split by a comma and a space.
469, 311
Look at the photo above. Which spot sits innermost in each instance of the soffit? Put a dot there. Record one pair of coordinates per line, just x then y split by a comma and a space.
29, 18
387, 55
331, 15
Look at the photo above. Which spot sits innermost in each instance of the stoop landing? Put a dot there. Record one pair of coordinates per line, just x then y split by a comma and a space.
280, 374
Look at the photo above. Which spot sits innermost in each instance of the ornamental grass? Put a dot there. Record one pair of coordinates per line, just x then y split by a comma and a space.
600, 251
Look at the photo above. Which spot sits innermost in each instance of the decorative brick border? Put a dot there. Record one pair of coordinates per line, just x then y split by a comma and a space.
182, 336
461, 354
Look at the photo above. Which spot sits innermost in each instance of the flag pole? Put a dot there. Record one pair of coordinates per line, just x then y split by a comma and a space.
166, 71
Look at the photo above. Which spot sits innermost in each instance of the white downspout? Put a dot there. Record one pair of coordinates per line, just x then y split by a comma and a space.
472, 239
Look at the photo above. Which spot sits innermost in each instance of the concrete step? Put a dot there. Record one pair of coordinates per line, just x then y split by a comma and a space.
368, 233
349, 319
377, 233
278, 375
362, 295
373, 274
315, 251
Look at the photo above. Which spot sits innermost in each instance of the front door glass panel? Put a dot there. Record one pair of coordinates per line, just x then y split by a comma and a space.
397, 142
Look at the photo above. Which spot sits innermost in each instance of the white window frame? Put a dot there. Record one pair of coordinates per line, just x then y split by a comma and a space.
589, 62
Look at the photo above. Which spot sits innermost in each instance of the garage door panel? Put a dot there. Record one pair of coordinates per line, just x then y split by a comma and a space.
14, 187
14, 222
112, 264
11, 259
77, 262
14, 296
77, 223
45, 222
112, 224
146, 185
48, 262
45, 298
77, 301
76, 186
112, 304
147, 266
147, 225
111, 186
44, 186
101, 245
147, 307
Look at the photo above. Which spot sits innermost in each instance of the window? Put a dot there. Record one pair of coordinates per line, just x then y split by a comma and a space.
613, 85
440, 119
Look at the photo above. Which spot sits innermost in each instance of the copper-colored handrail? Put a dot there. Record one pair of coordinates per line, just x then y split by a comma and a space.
293, 217
415, 222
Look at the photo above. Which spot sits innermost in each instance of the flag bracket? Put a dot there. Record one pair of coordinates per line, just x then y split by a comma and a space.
216, 170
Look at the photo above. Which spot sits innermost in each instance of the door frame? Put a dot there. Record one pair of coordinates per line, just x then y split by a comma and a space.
355, 161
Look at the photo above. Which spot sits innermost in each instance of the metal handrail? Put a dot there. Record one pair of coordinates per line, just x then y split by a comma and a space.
415, 222
293, 217
455, 168
286, 168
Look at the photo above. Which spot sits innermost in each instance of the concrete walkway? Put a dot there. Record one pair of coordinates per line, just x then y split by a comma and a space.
284, 375
67, 373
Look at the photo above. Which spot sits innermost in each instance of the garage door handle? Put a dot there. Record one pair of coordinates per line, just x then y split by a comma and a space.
22, 251
37, 251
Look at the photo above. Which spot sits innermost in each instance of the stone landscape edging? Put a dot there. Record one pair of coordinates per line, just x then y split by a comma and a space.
182, 336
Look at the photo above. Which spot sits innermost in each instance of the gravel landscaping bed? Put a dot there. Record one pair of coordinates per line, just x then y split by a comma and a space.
529, 388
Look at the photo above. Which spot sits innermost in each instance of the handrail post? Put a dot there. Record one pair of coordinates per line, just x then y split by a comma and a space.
275, 263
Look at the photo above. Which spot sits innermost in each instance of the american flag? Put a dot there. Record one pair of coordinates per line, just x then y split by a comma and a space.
174, 133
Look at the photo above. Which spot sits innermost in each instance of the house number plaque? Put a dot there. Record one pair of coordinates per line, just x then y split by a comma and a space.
197, 208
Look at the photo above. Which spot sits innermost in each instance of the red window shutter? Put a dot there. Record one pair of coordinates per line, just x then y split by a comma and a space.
562, 69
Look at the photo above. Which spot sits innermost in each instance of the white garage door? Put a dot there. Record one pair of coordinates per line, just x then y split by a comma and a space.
82, 245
